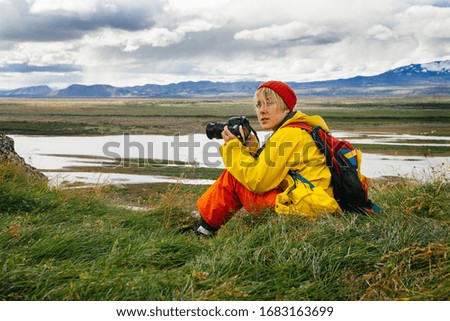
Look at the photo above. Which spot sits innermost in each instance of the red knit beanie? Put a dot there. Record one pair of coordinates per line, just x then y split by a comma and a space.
283, 90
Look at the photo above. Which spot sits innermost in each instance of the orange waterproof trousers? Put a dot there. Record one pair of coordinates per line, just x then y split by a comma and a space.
226, 196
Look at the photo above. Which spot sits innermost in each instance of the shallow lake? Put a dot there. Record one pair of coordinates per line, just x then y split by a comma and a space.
56, 155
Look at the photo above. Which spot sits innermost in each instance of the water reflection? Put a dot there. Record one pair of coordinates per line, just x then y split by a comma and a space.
50, 154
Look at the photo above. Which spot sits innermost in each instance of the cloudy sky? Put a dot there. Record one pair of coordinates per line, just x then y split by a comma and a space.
126, 43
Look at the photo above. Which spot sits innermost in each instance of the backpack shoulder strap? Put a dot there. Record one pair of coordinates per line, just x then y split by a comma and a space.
319, 135
304, 126
324, 142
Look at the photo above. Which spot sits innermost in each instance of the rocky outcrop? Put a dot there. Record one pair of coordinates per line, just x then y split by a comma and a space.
9, 156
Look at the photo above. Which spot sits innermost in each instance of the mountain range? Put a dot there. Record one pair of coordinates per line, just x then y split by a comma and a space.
430, 79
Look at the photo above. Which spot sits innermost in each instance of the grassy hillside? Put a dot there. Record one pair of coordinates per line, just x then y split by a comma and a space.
79, 245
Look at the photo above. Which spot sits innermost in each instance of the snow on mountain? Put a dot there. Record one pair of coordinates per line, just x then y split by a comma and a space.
429, 79
437, 66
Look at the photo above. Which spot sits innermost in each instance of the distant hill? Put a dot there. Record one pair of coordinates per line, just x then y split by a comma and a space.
415, 79
36, 91
94, 91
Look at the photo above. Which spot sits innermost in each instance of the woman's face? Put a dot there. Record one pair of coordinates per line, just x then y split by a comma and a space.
269, 113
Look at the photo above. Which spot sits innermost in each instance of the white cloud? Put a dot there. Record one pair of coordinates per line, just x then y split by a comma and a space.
435, 21
156, 37
9, 15
276, 33
427, 21
40, 53
90, 7
194, 6
71, 6
380, 32
129, 42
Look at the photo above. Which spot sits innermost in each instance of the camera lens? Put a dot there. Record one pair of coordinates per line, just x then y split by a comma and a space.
214, 130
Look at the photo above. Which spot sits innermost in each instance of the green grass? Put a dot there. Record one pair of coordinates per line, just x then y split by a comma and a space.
79, 245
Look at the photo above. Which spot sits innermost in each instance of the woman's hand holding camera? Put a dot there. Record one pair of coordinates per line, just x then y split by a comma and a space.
228, 135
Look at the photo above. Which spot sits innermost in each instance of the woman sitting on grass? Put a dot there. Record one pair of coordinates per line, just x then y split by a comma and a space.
259, 179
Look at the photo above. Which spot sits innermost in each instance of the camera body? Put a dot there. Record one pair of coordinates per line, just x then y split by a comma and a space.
214, 129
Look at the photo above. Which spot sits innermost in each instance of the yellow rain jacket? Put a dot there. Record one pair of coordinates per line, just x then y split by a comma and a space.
289, 148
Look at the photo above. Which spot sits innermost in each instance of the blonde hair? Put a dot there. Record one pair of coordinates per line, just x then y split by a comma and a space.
267, 92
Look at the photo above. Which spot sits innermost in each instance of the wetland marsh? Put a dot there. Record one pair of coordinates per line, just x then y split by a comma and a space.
398, 136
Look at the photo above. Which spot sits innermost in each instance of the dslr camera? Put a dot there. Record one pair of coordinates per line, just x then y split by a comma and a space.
214, 129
